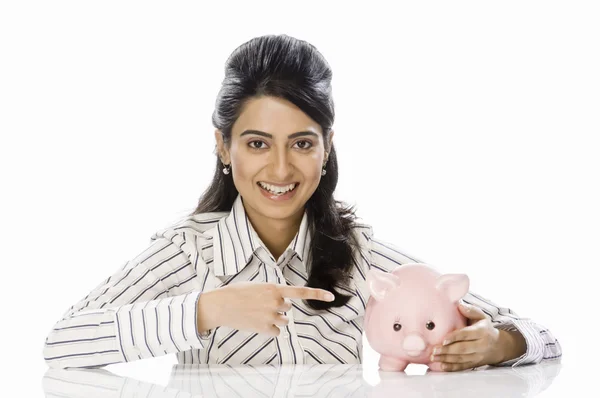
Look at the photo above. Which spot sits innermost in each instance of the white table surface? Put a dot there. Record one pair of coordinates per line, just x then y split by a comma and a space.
309, 381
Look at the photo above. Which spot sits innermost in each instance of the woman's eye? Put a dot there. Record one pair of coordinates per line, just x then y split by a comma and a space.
303, 144
254, 146
307, 144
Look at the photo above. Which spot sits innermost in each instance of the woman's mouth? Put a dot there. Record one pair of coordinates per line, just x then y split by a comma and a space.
278, 193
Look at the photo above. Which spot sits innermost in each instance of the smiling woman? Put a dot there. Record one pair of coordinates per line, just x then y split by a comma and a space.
280, 191
216, 286
275, 173
273, 120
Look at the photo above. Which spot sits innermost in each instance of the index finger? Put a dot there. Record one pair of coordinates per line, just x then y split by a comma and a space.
304, 292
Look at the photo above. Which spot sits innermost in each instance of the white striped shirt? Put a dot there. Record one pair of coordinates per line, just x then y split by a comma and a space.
149, 307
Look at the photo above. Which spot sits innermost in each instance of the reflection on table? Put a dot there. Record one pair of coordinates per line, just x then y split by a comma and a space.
302, 381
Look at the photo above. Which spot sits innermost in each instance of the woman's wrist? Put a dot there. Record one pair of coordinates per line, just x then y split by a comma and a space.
208, 313
512, 345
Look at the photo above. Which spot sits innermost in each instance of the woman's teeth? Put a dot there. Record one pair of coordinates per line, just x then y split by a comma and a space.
277, 190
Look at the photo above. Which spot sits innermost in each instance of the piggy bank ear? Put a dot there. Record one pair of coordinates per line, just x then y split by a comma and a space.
453, 286
380, 283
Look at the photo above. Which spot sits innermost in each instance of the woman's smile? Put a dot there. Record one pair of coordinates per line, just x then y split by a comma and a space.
278, 193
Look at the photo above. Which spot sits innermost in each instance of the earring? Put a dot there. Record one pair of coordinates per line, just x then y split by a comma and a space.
323, 172
227, 169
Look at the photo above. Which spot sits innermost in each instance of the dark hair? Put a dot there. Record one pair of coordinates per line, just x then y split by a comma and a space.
292, 69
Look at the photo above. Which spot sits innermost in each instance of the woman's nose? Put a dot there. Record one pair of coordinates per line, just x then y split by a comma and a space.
281, 165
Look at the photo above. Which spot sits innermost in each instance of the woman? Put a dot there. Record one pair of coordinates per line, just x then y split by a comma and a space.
217, 286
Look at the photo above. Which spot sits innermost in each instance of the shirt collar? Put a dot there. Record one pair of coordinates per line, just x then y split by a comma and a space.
235, 241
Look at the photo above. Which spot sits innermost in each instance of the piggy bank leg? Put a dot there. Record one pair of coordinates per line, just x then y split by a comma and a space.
435, 366
390, 364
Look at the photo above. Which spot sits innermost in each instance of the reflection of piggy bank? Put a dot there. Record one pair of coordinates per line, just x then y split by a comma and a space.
410, 311
486, 381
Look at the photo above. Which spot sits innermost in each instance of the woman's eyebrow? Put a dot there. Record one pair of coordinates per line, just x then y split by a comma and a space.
291, 136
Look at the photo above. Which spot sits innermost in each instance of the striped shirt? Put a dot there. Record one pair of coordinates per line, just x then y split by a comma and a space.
149, 307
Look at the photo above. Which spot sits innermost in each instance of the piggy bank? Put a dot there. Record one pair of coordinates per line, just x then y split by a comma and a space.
410, 311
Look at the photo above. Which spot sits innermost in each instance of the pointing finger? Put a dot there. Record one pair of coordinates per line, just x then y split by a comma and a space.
307, 293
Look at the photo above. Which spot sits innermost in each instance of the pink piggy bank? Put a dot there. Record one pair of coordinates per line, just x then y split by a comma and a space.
410, 311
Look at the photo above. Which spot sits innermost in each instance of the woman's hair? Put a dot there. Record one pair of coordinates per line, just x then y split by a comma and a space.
292, 69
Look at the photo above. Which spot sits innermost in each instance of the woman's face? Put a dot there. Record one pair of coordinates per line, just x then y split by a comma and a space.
273, 142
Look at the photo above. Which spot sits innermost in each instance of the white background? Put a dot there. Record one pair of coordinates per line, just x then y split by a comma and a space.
466, 132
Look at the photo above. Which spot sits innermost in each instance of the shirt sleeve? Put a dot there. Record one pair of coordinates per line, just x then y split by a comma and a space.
541, 344
134, 314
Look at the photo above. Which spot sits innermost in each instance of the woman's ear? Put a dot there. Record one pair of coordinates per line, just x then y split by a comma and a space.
221, 149
329, 143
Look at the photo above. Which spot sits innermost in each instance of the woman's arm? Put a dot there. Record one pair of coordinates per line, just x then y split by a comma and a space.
133, 314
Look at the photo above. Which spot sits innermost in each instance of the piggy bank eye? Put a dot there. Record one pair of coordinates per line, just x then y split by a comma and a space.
430, 325
397, 327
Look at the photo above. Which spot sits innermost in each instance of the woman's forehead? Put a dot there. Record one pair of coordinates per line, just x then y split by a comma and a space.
275, 116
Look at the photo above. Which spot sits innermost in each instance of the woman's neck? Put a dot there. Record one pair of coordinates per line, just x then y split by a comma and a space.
276, 234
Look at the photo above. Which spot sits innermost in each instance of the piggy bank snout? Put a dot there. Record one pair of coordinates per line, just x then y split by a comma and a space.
413, 345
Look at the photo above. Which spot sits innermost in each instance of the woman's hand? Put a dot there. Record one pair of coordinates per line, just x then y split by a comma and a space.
256, 307
476, 345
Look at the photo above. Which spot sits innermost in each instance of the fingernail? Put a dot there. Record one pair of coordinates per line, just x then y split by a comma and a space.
330, 297
446, 342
